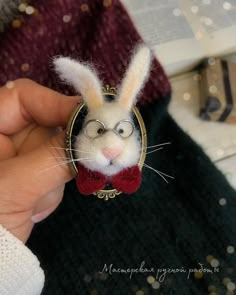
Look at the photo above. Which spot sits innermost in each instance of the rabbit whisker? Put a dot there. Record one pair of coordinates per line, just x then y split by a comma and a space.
60, 148
84, 159
157, 145
161, 148
161, 174
66, 162
65, 158
69, 159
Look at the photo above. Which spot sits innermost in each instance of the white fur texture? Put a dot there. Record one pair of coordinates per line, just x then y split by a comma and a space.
135, 77
110, 114
82, 78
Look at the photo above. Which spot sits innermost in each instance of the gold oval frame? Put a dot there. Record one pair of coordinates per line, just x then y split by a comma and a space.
109, 193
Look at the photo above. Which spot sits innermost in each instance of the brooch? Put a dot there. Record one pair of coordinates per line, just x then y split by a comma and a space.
106, 139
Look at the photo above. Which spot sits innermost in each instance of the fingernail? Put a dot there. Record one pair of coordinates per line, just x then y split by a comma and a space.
41, 216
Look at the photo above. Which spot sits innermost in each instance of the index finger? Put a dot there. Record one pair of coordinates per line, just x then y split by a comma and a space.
28, 102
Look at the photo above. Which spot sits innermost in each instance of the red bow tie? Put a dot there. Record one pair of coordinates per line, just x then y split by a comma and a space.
126, 181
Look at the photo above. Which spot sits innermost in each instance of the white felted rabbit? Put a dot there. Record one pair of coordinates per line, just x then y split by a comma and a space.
108, 146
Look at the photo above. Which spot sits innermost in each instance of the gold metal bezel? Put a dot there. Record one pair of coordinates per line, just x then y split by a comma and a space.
109, 193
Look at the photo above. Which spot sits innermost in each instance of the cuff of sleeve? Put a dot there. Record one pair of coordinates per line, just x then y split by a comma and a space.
20, 271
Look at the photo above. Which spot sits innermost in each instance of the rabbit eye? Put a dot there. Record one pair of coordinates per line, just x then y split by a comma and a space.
100, 131
124, 128
94, 128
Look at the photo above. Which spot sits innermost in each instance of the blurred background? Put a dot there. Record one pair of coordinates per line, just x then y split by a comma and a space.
195, 40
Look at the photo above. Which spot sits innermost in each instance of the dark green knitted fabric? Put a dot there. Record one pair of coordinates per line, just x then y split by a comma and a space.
176, 225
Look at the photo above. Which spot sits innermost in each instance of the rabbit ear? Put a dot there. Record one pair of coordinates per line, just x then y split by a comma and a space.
82, 78
135, 77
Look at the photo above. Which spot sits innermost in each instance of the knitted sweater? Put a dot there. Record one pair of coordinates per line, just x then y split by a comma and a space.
20, 272
177, 238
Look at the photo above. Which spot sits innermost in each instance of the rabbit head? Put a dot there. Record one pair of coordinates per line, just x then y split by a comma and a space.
108, 141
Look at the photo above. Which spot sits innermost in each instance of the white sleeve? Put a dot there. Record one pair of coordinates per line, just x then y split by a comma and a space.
20, 271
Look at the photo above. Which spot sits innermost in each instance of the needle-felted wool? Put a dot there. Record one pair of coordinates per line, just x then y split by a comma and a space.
175, 226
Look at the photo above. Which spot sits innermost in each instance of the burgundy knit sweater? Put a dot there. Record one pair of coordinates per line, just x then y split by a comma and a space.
96, 31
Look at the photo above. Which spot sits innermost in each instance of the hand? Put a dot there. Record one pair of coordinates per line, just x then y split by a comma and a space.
32, 176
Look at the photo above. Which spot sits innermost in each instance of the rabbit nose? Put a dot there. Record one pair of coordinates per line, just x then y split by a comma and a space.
111, 153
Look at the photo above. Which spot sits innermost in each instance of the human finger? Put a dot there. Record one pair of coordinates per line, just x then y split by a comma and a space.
48, 204
33, 175
29, 102
7, 149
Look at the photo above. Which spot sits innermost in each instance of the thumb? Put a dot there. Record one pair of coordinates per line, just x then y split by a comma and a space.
37, 173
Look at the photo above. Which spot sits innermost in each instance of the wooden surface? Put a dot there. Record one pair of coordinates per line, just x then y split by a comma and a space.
217, 139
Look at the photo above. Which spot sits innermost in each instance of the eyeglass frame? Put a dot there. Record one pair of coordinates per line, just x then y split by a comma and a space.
108, 129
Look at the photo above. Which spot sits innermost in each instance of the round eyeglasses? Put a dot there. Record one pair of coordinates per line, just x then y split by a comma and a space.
96, 128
